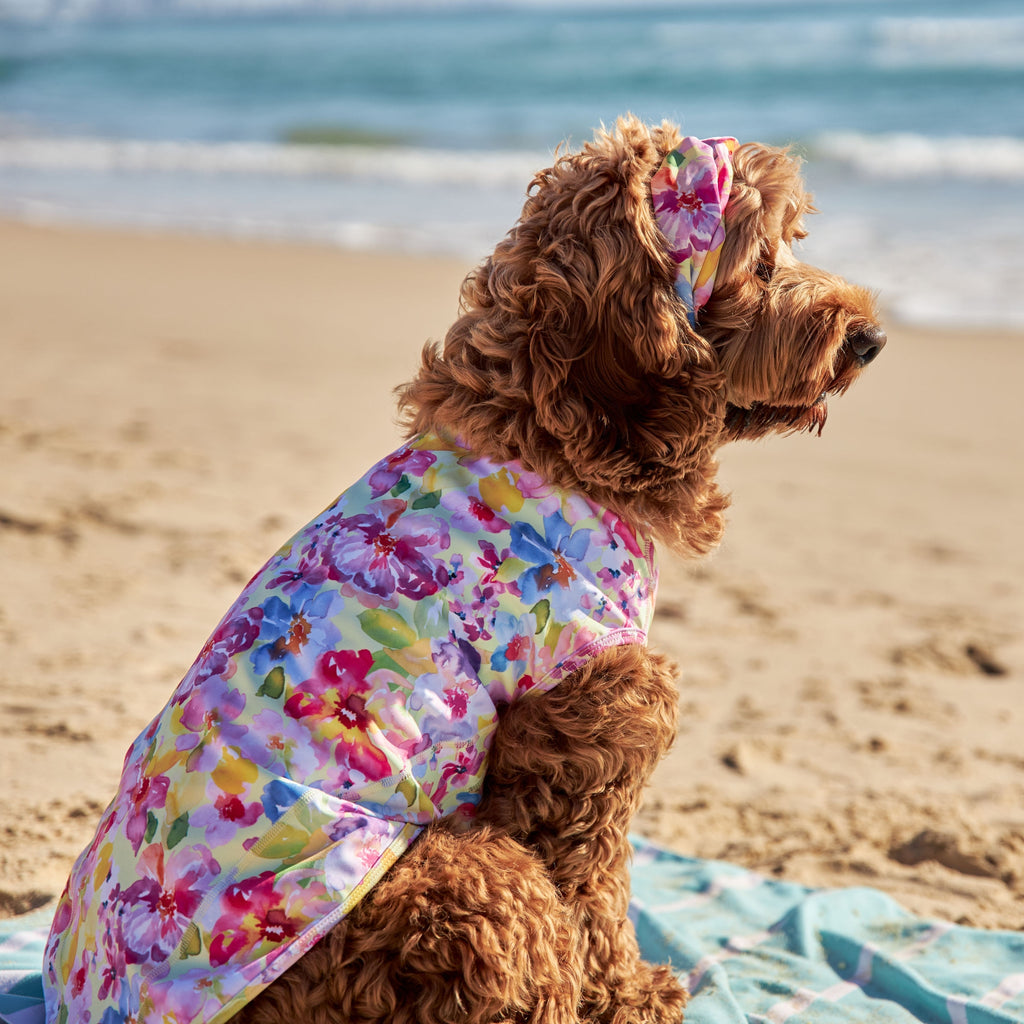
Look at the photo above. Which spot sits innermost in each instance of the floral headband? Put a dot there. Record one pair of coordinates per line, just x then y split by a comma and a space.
690, 193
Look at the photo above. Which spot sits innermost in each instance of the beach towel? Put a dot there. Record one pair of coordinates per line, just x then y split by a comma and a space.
753, 950
22, 942
757, 950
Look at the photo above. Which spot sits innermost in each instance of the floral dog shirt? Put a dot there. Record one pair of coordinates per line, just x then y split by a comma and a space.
346, 700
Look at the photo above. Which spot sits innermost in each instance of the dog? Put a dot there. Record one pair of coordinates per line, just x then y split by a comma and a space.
396, 784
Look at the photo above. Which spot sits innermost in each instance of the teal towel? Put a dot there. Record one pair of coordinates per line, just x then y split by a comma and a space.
757, 950
22, 940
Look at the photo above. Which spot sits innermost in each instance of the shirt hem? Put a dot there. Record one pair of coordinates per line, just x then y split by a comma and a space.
305, 942
619, 638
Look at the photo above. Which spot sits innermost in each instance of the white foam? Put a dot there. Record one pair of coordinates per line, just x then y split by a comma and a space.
441, 167
886, 155
903, 155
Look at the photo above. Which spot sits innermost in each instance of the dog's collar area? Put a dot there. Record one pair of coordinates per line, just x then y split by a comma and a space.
690, 192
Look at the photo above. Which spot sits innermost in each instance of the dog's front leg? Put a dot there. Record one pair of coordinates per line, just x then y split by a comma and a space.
466, 928
565, 776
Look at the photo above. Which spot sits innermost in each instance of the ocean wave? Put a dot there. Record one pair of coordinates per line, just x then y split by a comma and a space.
887, 155
906, 156
959, 41
424, 166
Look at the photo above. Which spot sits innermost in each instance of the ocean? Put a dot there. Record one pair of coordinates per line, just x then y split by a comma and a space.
417, 127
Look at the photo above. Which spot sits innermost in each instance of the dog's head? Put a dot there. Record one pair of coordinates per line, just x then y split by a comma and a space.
787, 335
575, 353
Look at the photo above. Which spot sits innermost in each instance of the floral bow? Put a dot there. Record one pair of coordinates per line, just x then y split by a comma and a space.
690, 193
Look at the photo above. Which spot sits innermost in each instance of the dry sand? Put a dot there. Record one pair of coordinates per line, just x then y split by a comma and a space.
853, 656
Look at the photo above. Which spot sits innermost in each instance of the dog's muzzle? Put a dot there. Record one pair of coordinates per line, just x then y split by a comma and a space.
866, 343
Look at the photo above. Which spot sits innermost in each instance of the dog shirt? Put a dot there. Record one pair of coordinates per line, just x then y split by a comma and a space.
347, 699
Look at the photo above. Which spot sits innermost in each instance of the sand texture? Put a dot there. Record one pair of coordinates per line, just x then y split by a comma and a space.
852, 658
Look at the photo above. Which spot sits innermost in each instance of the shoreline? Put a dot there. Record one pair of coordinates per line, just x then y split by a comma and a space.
852, 657
466, 235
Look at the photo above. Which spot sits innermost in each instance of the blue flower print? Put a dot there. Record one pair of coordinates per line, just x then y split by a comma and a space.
556, 562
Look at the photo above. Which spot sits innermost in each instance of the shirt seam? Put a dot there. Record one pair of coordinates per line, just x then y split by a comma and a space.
618, 638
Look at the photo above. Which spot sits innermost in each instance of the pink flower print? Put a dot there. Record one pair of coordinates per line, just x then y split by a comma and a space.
352, 819
254, 915
456, 573
384, 552
358, 841
621, 533
689, 198
456, 773
62, 915
400, 728
629, 590
222, 819
533, 485
236, 633
440, 701
374, 836
471, 513
523, 685
128, 993
490, 561
182, 997
114, 962
370, 850
363, 757
457, 700
78, 980
559, 658
473, 626
389, 471
144, 793
476, 610
157, 908
337, 691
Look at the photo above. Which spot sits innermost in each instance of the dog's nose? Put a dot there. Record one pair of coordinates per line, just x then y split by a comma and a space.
866, 343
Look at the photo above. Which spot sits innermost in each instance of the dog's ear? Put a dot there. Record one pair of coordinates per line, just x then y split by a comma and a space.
767, 205
574, 354
587, 273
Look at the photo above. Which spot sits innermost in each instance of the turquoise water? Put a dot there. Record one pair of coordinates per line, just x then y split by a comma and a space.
909, 112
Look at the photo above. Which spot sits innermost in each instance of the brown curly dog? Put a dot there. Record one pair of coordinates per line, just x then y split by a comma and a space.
574, 355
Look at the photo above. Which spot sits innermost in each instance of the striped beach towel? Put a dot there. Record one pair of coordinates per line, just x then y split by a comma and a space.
758, 951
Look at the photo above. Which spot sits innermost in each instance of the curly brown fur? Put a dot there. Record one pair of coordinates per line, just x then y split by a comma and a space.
565, 777
573, 355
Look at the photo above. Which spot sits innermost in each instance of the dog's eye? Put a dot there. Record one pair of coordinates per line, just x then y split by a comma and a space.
764, 270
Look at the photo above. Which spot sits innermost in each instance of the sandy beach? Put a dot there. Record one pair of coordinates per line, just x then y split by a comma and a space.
172, 408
